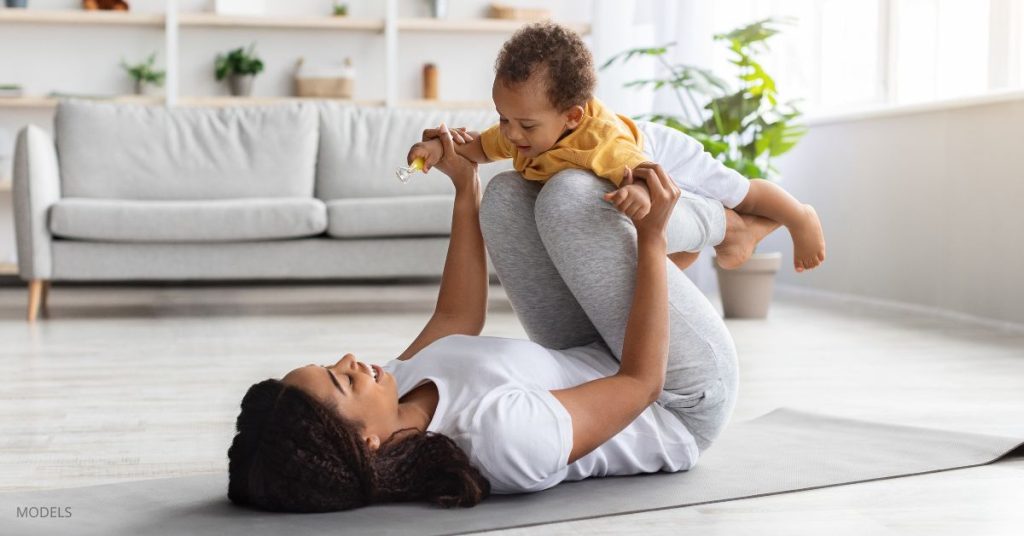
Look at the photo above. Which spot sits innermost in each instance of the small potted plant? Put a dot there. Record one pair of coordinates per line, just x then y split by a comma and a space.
744, 126
239, 66
144, 75
340, 9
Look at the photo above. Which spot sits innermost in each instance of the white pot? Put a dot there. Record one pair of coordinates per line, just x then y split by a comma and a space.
240, 85
747, 290
147, 89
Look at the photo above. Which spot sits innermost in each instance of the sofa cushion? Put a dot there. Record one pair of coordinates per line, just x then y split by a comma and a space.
125, 151
360, 147
377, 217
230, 220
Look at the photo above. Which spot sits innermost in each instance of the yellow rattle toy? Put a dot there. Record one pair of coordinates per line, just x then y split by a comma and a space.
405, 173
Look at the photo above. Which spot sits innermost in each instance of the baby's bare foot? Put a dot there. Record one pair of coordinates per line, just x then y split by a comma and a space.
683, 259
808, 241
742, 234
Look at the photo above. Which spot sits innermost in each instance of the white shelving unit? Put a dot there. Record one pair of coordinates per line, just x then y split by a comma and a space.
172, 21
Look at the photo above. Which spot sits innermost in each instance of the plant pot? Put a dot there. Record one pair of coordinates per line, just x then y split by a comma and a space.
145, 88
16, 3
747, 290
240, 85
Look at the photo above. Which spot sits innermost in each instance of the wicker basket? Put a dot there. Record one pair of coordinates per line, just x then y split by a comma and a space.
500, 11
331, 87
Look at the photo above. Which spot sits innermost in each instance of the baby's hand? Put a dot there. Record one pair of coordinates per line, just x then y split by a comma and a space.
429, 150
633, 200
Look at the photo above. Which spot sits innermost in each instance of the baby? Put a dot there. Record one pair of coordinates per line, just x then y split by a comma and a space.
549, 120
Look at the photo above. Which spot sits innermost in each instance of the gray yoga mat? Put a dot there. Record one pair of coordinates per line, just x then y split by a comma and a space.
782, 451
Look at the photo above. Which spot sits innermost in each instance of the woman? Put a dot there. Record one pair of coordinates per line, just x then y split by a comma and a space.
615, 379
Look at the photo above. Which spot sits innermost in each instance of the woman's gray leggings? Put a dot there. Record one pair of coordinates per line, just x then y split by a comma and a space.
567, 260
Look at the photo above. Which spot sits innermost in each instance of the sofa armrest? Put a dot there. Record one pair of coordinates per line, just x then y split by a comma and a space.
36, 187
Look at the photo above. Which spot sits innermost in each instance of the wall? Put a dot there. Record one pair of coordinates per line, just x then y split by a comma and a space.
921, 206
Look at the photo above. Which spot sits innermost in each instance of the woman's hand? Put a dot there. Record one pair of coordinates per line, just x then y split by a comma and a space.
664, 195
460, 134
462, 171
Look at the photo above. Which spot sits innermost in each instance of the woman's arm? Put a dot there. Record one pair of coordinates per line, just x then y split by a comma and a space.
462, 300
604, 407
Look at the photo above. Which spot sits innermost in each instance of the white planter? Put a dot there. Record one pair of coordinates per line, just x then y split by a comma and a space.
747, 290
146, 89
240, 85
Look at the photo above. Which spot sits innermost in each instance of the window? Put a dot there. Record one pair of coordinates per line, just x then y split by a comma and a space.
940, 49
841, 54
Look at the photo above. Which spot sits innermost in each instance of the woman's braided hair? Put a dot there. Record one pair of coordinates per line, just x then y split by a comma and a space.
294, 454
560, 52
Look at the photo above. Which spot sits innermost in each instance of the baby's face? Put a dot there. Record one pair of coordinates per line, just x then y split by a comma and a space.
527, 117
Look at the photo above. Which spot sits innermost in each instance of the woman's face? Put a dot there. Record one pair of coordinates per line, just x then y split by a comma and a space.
350, 387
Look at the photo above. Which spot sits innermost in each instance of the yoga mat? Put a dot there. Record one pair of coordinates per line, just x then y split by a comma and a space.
782, 451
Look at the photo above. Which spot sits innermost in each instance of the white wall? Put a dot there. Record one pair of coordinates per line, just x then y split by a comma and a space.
922, 207
85, 59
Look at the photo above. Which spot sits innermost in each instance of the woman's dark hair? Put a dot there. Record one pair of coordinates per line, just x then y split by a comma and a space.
567, 64
294, 454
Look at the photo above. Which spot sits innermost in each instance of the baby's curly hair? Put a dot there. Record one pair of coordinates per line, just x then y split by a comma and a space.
568, 64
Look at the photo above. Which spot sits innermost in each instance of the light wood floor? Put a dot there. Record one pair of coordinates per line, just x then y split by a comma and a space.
131, 383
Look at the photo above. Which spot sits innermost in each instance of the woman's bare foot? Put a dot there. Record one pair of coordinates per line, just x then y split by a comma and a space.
683, 259
742, 234
808, 241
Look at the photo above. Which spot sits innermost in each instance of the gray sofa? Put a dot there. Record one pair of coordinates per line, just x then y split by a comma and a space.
296, 191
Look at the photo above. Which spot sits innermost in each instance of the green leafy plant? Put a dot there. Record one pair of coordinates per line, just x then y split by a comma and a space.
145, 71
340, 10
238, 61
744, 126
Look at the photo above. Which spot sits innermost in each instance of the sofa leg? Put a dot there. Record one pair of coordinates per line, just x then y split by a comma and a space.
44, 303
35, 297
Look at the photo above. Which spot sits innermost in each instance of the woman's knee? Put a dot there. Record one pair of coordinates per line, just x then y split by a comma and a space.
504, 193
575, 196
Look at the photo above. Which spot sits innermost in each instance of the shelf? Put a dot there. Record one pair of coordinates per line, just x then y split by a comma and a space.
51, 102
81, 16
5, 185
227, 100
207, 19
8, 268
425, 103
475, 25
264, 21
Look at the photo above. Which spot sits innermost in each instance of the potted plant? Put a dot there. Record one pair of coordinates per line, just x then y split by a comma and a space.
239, 66
144, 75
744, 126
340, 9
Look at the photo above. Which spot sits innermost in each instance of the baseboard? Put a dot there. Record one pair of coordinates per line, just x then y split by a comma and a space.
895, 305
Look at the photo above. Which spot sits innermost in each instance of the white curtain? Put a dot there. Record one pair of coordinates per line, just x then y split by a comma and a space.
622, 24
